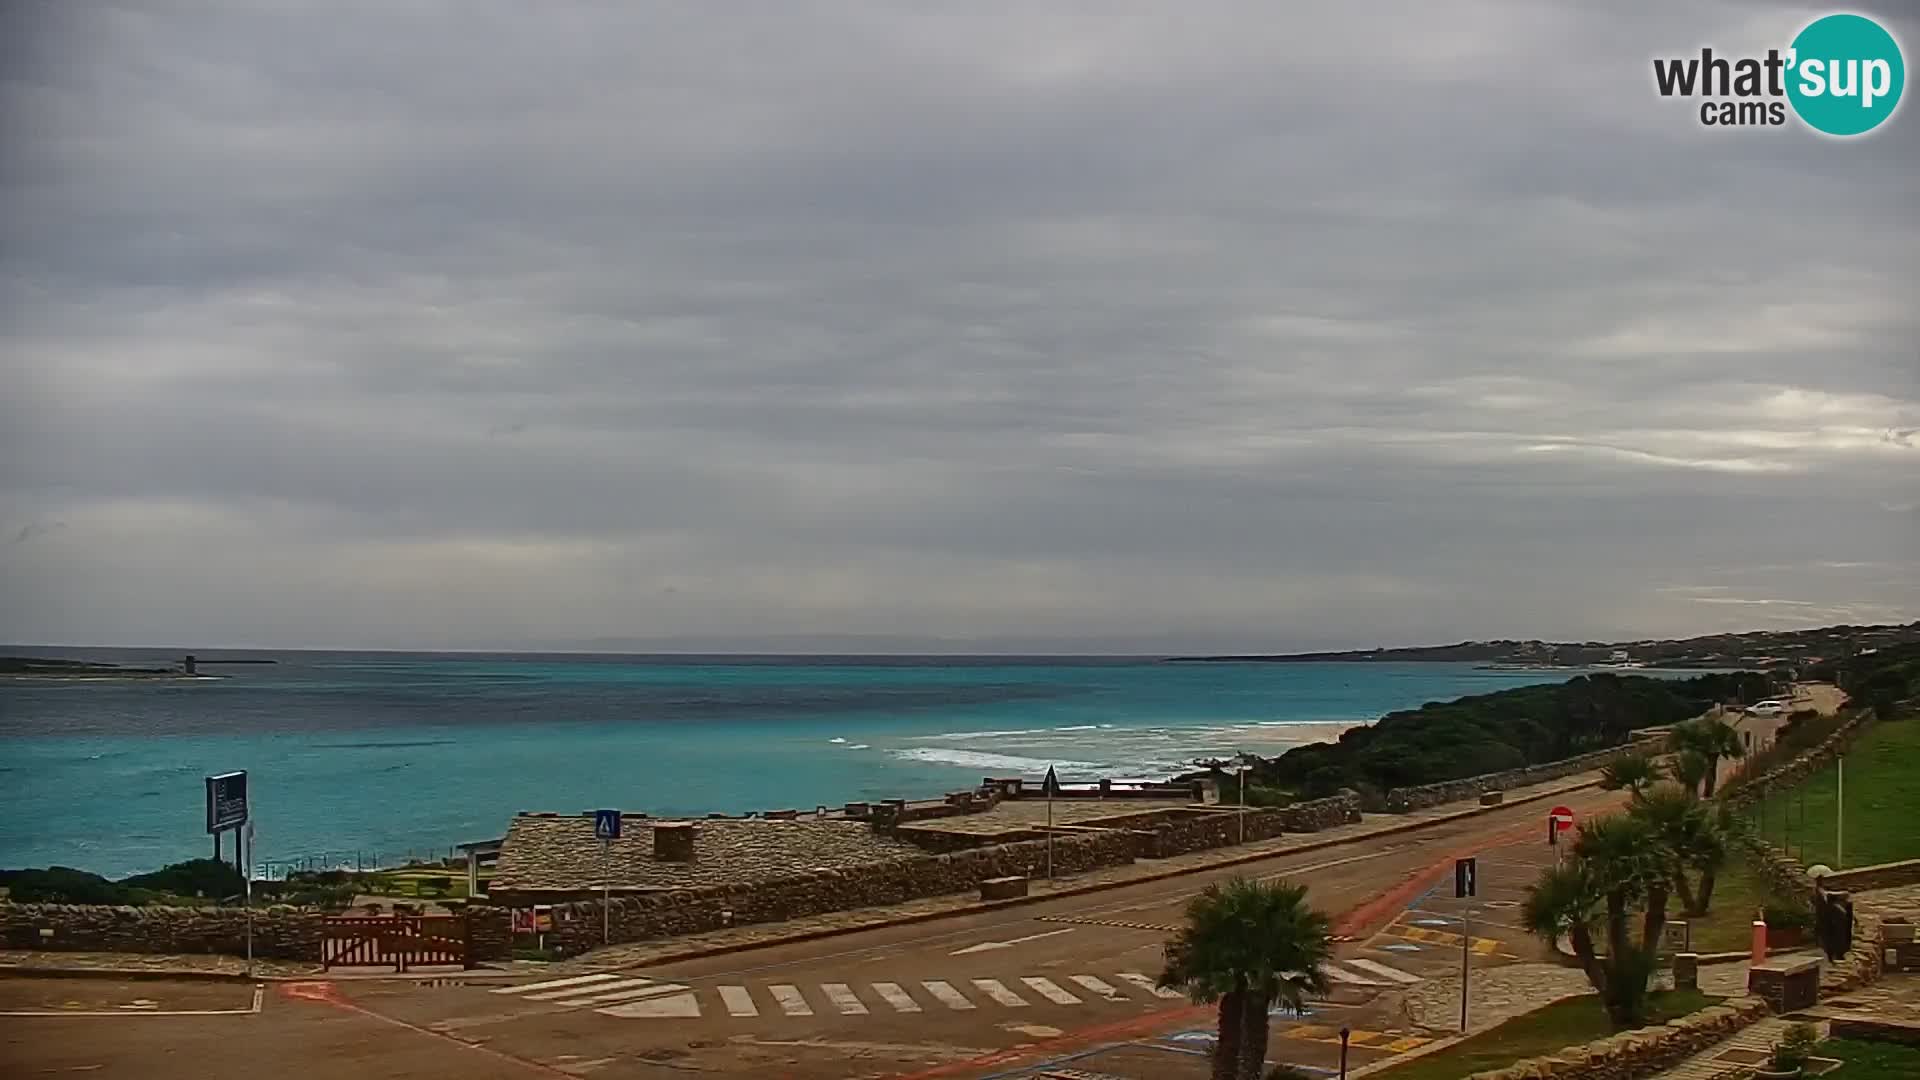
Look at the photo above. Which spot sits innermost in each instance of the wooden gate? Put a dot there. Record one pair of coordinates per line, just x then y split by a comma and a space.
404, 941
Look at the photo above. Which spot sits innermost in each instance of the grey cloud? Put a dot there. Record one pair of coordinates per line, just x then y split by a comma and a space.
448, 325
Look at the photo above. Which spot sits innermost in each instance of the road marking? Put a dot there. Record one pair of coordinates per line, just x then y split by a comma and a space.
627, 995
790, 999
254, 1008
579, 995
738, 1000
1378, 968
896, 997
1348, 977
554, 984
675, 1007
989, 946
1099, 986
1050, 990
998, 991
1146, 983
946, 994
844, 999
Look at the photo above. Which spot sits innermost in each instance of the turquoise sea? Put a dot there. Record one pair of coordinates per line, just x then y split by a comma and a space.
370, 756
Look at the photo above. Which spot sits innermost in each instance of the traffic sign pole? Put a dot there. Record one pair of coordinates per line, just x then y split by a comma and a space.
606, 826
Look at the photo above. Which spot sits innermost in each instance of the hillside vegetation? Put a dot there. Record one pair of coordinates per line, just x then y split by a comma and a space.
1507, 729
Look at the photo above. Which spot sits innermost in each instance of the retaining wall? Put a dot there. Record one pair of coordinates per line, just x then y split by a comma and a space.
280, 933
1640, 1052
640, 917
1402, 800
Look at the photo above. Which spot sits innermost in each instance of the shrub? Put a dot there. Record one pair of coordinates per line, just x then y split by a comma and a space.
1787, 916
210, 878
1794, 1048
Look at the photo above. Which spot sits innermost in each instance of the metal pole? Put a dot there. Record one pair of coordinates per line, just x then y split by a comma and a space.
1344, 1034
249, 902
1243, 802
1049, 832
1466, 941
1839, 811
606, 892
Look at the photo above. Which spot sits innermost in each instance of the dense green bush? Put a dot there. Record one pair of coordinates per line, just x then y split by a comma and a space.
1503, 730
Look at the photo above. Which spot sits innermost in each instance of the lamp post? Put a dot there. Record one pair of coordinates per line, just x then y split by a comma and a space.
1243, 800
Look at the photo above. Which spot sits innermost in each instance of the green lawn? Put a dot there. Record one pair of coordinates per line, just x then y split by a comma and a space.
1883, 802
1562, 1024
1728, 925
1871, 1060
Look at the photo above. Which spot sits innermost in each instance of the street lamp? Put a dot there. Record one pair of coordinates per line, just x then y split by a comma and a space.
1243, 800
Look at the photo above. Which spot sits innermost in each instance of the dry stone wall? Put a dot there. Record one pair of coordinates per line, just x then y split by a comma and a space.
1640, 1052
278, 932
1403, 800
577, 926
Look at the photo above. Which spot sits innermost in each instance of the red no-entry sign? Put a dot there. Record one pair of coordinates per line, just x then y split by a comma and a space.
1559, 820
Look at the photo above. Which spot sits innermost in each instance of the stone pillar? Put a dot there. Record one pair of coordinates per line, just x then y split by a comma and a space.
673, 842
1686, 971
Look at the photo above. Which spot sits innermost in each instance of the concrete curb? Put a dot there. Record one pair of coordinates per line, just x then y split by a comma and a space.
804, 936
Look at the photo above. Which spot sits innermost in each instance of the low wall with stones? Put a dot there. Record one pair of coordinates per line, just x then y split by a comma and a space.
1402, 800
490, 932
1799, 768
1881, 876
279, 932
577, 926
1640, 1052
940, 841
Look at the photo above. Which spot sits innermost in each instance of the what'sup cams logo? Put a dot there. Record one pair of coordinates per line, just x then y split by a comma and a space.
1841, 75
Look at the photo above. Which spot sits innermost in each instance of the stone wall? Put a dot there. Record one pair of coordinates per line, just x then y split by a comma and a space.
1402, 800
1881, 876
490, 932
1317, 814
279, 932
1640, 1052
941, 841
1805, 765
668, 913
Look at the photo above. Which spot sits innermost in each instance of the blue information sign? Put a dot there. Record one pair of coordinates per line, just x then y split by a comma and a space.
606, 824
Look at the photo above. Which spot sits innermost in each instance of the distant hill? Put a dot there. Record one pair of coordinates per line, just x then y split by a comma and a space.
1751, 649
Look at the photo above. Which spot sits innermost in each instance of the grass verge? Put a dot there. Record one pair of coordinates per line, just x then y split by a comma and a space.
1542, 1031
1871, 1060
1882, 803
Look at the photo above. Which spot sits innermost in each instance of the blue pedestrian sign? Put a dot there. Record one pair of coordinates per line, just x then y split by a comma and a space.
606, 824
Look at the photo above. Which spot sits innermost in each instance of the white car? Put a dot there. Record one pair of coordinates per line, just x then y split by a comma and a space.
1770, 707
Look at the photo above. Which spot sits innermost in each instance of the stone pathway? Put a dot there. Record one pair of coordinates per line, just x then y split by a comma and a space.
1496, 996
1709, 1063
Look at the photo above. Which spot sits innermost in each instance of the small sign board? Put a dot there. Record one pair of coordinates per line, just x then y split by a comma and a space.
226, 801
1051, 785
606, 824
1559, 820
1466, 873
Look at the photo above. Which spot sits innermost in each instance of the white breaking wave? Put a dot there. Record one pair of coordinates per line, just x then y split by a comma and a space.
975, 759
860, 746
957, 735
836, 739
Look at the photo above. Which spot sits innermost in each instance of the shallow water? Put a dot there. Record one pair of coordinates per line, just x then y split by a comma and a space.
373, 755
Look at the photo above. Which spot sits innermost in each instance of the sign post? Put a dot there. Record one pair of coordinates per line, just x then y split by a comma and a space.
606, 826
1049, 787
227, 809
1559, 820
246, 873
1466, 873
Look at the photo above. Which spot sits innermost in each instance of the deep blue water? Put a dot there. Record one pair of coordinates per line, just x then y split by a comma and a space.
389, 753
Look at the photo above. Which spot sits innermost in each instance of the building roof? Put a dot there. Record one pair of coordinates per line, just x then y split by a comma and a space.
559, 853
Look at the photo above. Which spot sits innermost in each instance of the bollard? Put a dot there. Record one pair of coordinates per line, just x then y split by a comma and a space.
1760, 940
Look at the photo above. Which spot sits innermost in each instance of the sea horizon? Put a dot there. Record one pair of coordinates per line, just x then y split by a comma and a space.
368, 755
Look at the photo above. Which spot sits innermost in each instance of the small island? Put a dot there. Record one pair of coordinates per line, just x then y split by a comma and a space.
44, 669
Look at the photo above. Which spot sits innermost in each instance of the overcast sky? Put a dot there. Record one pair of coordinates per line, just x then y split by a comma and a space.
1162, 326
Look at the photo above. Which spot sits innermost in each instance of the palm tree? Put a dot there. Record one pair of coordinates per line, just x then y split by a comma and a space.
1690, 769
1710, 739
1692, 839
1617, 865
1635, 774
1248, 945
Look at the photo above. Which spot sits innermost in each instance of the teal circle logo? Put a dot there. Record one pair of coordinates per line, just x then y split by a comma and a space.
1846, 74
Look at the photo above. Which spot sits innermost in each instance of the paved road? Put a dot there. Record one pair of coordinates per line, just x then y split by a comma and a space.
988, 994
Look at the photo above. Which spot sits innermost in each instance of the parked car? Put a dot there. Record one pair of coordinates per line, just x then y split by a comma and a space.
1769, 707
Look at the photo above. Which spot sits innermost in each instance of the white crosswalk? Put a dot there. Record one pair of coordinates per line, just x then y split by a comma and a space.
638, 997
